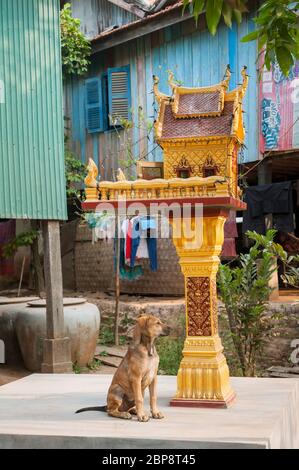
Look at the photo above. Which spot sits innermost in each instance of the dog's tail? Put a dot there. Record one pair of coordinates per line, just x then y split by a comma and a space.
93, 408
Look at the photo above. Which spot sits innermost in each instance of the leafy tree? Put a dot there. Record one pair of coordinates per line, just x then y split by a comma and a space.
277, 32
276, 26
75, 172
290, 263
75, 47
245, 291
23, 239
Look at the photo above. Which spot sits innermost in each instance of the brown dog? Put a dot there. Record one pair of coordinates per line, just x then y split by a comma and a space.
137, 371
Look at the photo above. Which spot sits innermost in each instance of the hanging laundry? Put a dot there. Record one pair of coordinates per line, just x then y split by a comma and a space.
275, 199
129, 242
126, 272
102, 225
144, 240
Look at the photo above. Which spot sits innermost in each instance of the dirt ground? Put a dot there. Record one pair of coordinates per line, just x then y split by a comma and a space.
10, 374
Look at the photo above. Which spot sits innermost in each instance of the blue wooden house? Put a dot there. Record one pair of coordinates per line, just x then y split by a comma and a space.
131, 42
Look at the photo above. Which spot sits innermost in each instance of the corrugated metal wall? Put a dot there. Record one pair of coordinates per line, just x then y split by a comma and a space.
32, 182
196, 57
98, 15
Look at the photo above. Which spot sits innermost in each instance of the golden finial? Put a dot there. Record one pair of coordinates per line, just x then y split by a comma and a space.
245, 80
92, 174
120, 176
171, 83
159, 96
227, 75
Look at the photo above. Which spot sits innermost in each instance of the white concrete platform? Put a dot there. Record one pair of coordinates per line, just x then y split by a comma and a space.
39, 412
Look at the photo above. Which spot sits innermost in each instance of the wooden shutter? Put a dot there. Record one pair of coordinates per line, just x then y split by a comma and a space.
119, 94
94, 115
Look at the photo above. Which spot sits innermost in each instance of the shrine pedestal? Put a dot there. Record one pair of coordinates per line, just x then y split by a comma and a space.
203, 377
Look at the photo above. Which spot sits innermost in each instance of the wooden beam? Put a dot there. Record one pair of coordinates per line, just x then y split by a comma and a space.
56, 347
53, 277
131, 8
128, 34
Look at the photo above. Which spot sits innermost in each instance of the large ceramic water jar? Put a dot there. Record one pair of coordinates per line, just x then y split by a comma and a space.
81, 321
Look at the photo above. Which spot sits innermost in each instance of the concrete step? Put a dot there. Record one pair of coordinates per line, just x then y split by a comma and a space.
284, 370
112, 361
118, 351
105, 370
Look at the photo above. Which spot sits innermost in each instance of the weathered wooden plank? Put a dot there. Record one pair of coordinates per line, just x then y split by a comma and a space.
283, 375
53, 278
280, 369
128, 7
119, 37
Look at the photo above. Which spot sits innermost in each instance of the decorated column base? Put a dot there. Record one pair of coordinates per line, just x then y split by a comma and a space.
203, 376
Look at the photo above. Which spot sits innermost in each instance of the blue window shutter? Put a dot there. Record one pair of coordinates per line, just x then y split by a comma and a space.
119, 93
105, 101
94, 114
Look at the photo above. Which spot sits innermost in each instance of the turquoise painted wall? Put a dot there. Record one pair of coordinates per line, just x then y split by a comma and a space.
32, 182
196, 57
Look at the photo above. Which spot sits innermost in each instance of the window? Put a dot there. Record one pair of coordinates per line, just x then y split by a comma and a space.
209, 167
107, 99
94, 116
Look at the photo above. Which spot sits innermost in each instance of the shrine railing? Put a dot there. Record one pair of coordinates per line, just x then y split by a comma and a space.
159, 189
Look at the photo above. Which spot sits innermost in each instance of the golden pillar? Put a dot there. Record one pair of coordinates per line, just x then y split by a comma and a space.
203, 377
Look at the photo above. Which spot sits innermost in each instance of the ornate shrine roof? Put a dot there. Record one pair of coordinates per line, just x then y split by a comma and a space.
204, 112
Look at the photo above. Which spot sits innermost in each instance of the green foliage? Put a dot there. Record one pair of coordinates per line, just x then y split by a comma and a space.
95, 364
23, 239
170, 353
91, 367
229, 10
291, 275
103, 354
276, 26
75, 48
277, 32
76, 368
244, 291
170, 348
107, 333
75, 172
126, 321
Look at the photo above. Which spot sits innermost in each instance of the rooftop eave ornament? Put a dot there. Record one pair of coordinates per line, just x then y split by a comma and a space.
158, 95
238, 130
226, 79
244, 85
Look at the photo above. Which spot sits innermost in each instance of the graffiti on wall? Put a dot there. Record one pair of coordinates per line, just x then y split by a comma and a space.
279, 109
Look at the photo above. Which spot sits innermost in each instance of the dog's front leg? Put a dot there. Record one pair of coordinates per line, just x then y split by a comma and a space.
138, 396
153, 400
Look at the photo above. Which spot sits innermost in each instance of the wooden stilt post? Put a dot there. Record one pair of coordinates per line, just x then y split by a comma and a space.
57, 348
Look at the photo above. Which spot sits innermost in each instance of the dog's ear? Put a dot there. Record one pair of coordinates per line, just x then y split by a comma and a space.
137, 332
